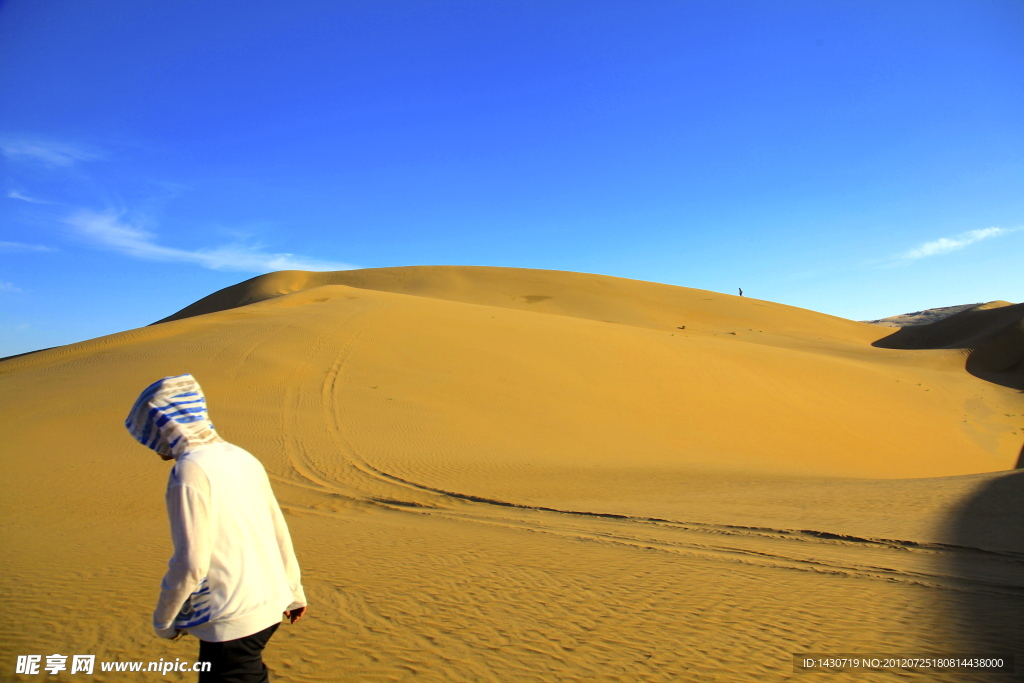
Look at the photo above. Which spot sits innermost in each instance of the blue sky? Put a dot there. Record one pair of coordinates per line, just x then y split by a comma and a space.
862, 158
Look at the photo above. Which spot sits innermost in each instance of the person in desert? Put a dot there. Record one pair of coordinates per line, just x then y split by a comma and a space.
233, 572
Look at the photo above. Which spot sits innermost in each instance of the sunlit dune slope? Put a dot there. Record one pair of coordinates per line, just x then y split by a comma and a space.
504, 474
641, 373
579, 295
462, 368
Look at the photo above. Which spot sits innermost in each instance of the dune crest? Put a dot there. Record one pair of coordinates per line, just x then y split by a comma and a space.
924, 317
580, 295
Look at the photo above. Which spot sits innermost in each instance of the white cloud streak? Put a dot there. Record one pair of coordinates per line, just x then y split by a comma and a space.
944, 245
19, 246
109, 230
14, 194
47, 152
8, 287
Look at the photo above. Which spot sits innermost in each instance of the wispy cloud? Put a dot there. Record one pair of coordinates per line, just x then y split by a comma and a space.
19, 246
47, 152
110, 230
14, 194
944, 245
8, 287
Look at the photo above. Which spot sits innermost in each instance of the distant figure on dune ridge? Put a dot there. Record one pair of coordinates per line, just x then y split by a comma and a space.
741, 291
233, 572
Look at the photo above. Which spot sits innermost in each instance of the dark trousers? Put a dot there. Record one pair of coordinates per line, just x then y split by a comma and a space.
236, 661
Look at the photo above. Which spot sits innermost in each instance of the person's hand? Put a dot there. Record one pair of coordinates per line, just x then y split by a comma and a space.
171, 633
295, 614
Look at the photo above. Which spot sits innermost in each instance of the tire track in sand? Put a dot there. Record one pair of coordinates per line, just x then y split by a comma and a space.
798, 549
309, 410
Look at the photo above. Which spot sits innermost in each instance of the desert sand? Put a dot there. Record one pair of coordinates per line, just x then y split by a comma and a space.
514, 475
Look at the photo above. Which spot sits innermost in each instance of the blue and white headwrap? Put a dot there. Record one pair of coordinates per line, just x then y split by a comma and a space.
170, 417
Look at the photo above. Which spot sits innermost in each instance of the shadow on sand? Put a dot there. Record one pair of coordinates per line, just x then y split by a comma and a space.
991, 338
985, 555
987, 561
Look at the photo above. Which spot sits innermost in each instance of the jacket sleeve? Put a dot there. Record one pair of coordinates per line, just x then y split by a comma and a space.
188, 511
284, 544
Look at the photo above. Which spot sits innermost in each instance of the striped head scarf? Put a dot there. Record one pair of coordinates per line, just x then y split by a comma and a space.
170, 417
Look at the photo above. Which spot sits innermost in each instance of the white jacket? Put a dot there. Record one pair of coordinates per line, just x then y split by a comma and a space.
234, 571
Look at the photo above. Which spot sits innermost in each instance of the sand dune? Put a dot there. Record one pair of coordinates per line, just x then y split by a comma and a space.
992, 336
925, 317
506, 474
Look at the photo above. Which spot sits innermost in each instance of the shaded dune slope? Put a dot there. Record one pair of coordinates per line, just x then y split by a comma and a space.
990, 335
